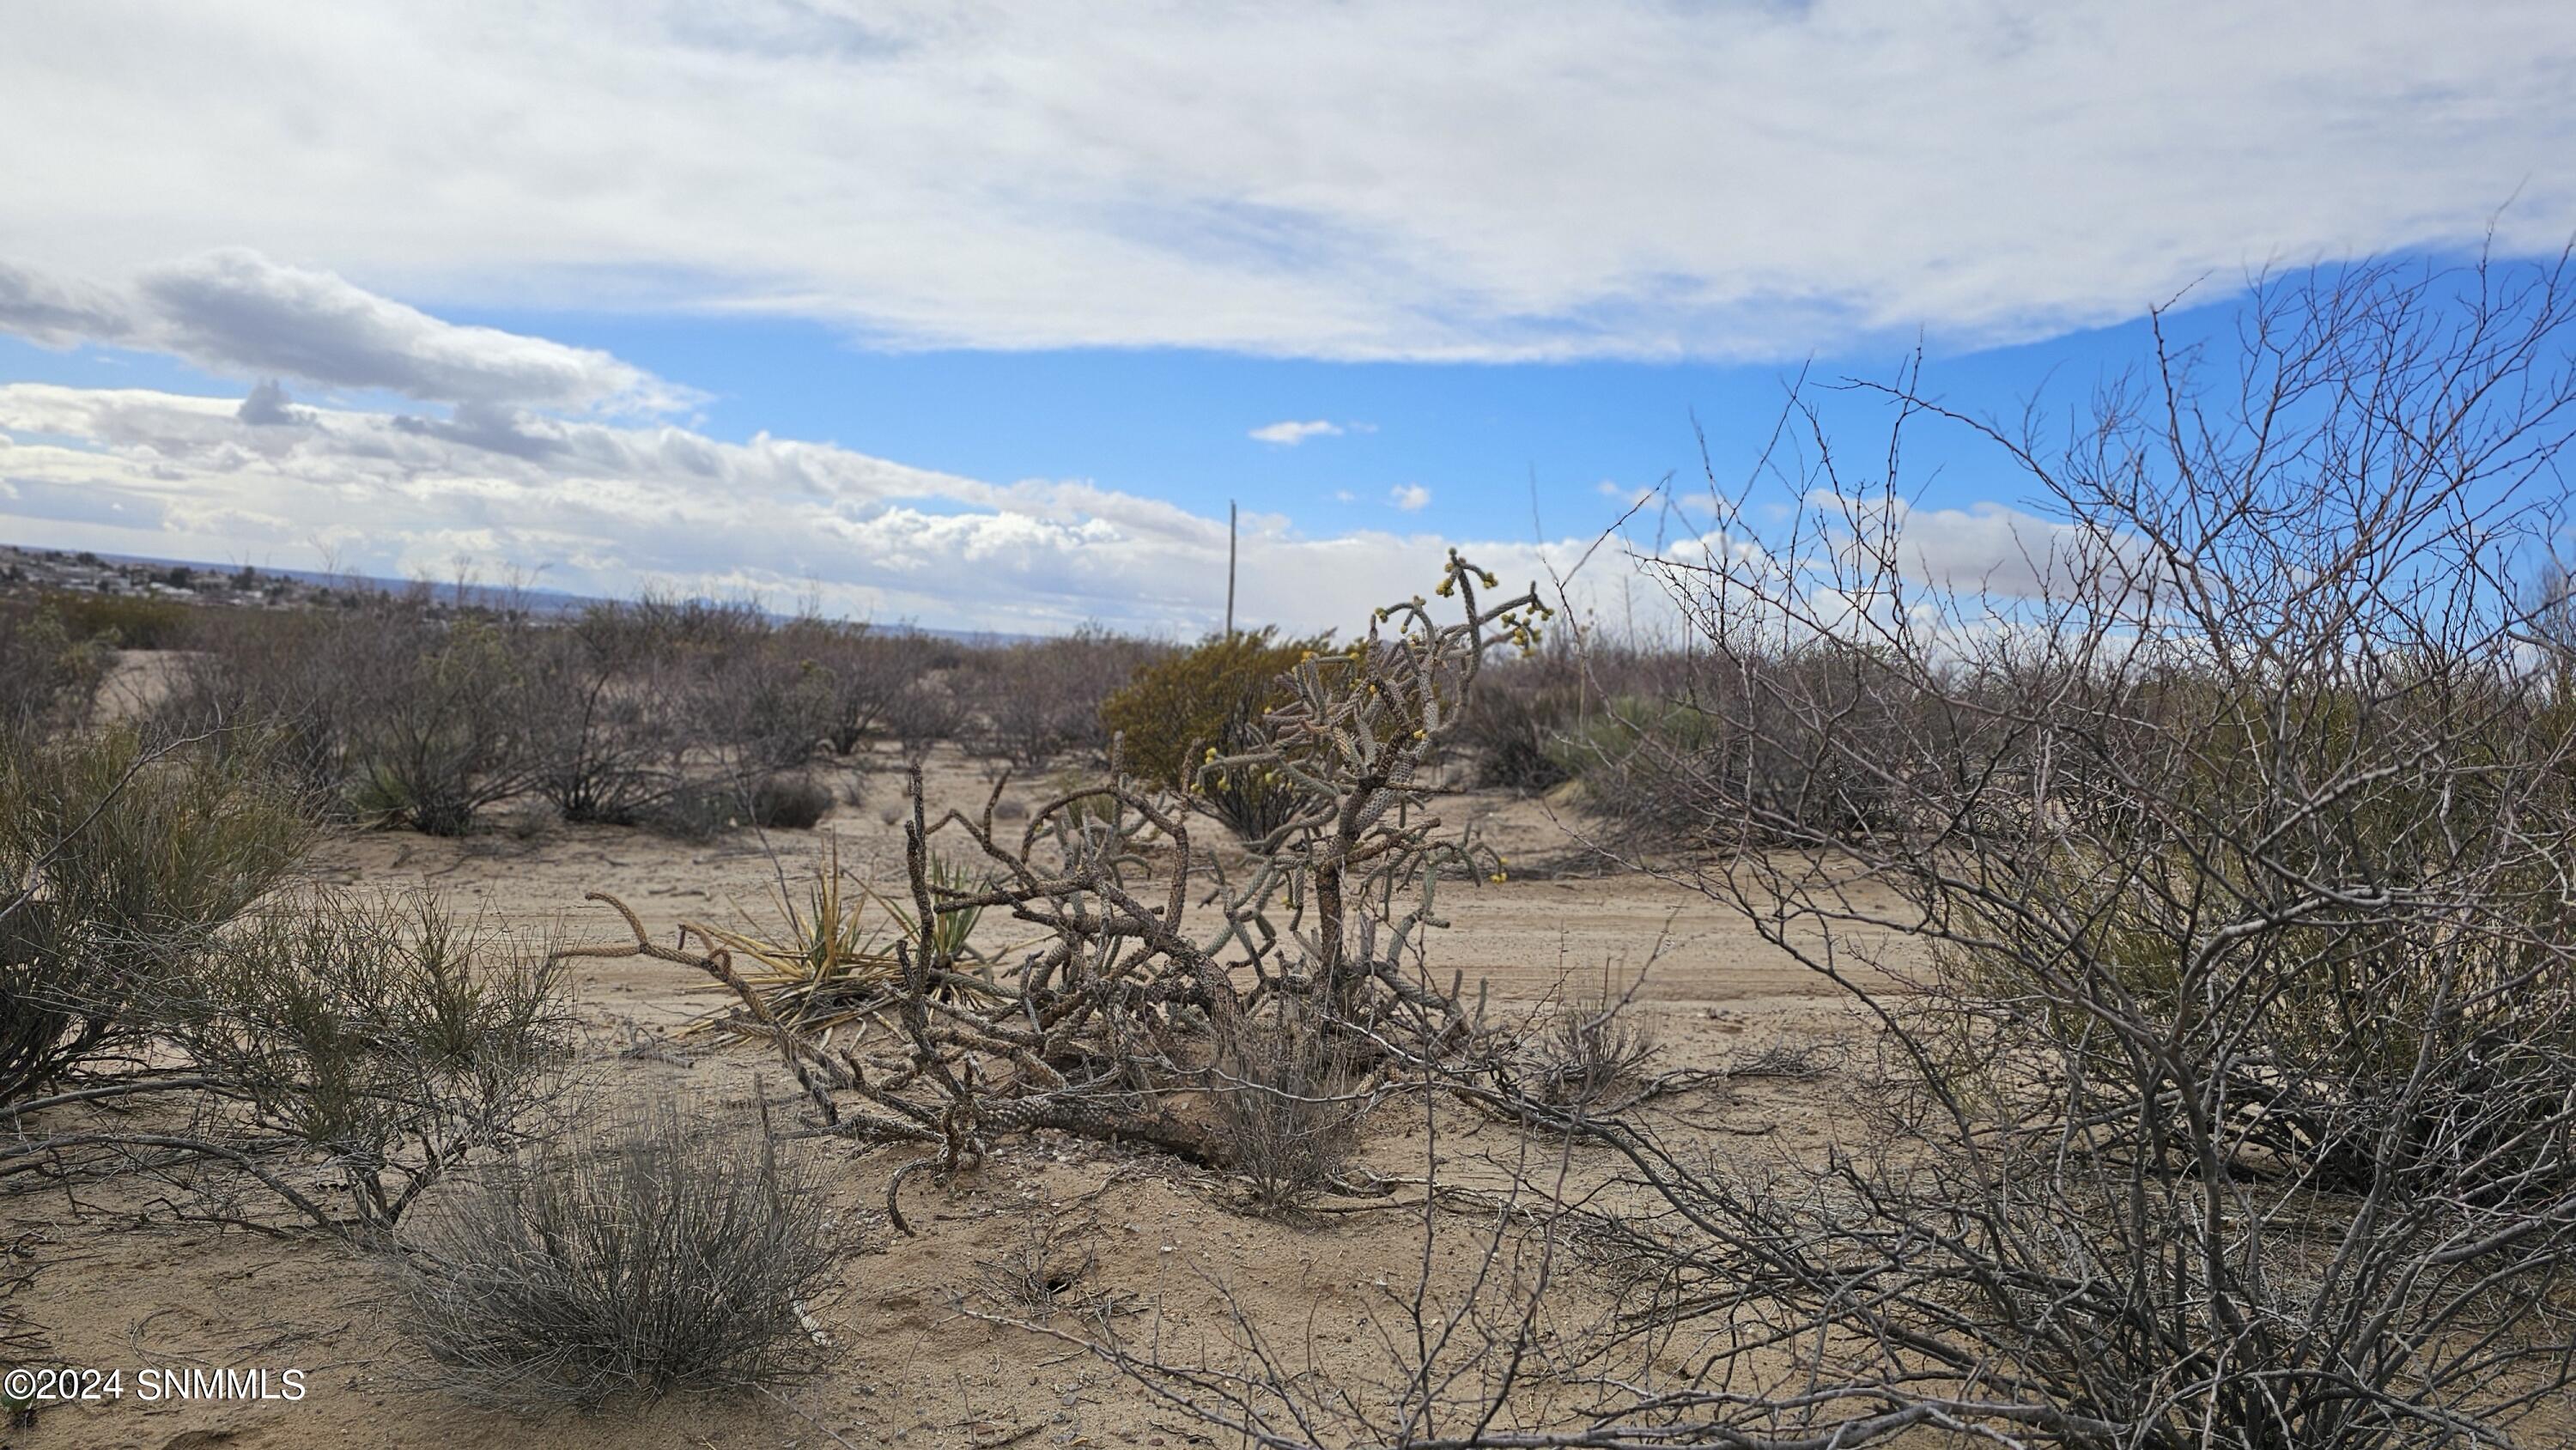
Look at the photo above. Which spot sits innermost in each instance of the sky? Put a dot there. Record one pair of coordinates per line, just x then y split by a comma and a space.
981, 315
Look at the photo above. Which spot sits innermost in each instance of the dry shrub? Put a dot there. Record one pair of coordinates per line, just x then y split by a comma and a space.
1734, 754
49, 673
125, 621
698, 811
604, 745
659, 1255
1582, 1051
1044, 698
790, 801
1515, 735
292, 684
1046, 1267
378, 1035
1287, 1105
450, 734
118, 866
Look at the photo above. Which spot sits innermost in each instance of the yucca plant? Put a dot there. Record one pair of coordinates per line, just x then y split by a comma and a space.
831, 956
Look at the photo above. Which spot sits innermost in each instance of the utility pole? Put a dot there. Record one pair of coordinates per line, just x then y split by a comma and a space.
1229, 568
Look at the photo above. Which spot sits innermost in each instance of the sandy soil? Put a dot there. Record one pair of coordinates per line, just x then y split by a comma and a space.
120, 1284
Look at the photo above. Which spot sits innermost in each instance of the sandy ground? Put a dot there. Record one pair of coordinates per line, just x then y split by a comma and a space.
120, 1284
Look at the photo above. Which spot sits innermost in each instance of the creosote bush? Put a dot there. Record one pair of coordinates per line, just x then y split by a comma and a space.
119, 864
450, 734
1210, 695
664, 1254
380, 1036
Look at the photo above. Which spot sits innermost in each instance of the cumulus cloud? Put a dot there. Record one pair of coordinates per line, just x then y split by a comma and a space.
1290, 434
1757, 180
235, 311
56, 311
1410, 497
607, 508
268, 406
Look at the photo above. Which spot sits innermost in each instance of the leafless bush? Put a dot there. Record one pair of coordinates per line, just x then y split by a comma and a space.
765, 710
2236, 1104
927, 708
1290, 1110
602, 743
1668, 770
293, 686
657, 1256
1037, 700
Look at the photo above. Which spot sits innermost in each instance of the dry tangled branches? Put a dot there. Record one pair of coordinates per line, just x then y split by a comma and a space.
1154, 950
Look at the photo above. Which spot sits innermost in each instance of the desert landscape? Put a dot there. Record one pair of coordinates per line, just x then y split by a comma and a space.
1167, 1241
1409, 725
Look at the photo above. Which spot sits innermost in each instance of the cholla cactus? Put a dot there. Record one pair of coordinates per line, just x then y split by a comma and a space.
1138, 984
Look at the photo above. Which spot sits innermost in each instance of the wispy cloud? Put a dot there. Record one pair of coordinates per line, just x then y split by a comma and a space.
1410, 497
1291, 434
1346, 182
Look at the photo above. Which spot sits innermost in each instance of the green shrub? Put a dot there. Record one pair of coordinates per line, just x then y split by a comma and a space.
126, 621
376, 1034
120, 865
1198, 698
450, 737
1514, 736
49, 673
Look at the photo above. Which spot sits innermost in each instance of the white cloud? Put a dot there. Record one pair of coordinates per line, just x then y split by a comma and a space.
235, 311
1410, 497
606, 508
1291, 434
1348, 182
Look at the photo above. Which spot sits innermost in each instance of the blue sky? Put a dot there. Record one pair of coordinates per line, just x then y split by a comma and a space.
972, 313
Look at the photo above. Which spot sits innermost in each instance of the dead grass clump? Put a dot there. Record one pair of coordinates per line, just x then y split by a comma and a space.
1583, 1051
1046, 1268
665, 1254
1289, 1112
